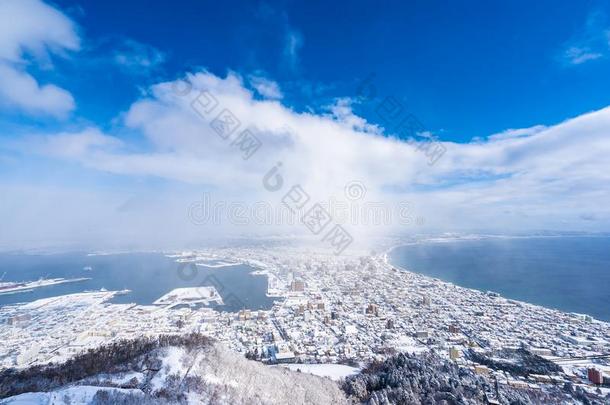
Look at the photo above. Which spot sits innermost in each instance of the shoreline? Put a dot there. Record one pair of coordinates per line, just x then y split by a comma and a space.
387, 260
30, 286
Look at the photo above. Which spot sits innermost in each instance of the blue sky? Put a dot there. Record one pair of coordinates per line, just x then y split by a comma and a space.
515, 92
468, 70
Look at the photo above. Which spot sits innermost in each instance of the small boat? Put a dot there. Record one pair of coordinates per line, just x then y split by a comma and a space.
87, 268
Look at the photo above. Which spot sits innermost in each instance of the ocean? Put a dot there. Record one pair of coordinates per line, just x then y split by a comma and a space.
148, 275
571, 274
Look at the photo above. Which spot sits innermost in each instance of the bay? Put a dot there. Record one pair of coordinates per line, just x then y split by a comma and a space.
148, 275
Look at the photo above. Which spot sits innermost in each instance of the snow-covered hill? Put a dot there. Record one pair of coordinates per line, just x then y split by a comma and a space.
177, 373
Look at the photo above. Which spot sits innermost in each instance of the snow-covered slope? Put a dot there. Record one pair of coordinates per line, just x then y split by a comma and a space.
71, 395
202, 374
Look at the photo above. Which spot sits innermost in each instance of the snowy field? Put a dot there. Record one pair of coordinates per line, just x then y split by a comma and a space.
333, 371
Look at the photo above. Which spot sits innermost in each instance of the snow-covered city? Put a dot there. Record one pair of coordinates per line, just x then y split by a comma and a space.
329, 310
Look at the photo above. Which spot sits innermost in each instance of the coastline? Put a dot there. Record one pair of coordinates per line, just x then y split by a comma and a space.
340, 316
386, 258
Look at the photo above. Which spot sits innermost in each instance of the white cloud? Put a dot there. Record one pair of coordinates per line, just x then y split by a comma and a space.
590, 42
552, 177
138, 57
34, 28
73, 145
577, 56
517, 133
19, 89
293, 42
342, 111
265, 87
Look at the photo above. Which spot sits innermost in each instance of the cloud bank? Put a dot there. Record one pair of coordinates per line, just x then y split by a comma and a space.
536, 178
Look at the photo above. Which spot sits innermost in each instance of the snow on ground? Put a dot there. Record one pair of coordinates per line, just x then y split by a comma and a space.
333, 371
190, 295
121, 378
229, 379
212, 379
171, 364
77, 395
407, 344
218, 264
